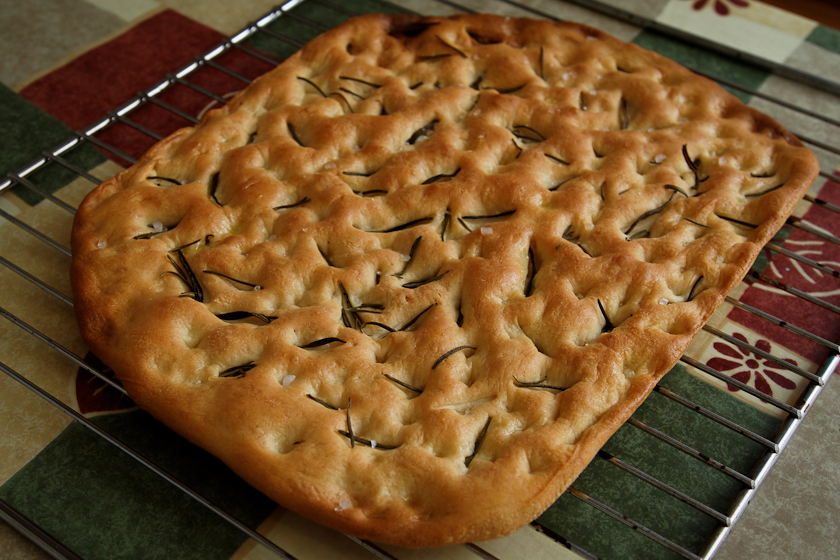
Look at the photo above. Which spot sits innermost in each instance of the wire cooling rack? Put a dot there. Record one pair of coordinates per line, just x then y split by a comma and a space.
281, 32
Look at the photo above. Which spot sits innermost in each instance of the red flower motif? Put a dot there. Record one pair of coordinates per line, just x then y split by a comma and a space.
751, 366
720, 5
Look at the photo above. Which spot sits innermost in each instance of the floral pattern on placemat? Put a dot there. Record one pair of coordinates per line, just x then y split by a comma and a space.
721, 7
751, 368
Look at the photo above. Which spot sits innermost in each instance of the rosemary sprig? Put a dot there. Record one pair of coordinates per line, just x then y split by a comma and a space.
414, 285
561, 183
447, 217
426, 130
359, 80
185, 245
478, 441
676, 189
518, 148
164, 179
527, 134
507, 91
324, 256
408, 225
225, 276
300, 202
370, 193
214, 185
341, 95
648, 214
691, 293
450, 352
557, 159
404, 327
608, 326
185, 274
155, 231
537, 384
569, 234
411, 253
623, 114
322, 342
696, 223
322, 402
694, 165
349, 425
349, 316
437, 178
403, 384
313, 84
529, 276
367, 442
294, 135
490, 216
762, 193
239, 315
238, 371
353, 93
736, 221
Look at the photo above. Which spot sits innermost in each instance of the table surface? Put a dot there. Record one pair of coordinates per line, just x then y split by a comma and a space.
781, 522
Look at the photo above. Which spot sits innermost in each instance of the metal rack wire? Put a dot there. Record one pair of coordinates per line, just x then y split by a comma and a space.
251, 42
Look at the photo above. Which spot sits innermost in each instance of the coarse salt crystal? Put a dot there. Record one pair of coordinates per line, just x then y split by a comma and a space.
157, 226
486, 230
102, 244
659, 158
344, 503
405, 258
722, 160
592, 92
373, 444
288, 380
566, 75
663, 301
257, 288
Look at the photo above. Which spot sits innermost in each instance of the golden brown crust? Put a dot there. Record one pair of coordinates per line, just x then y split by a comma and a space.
475, 243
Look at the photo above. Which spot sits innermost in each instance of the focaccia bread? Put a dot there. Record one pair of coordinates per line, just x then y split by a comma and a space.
408, 283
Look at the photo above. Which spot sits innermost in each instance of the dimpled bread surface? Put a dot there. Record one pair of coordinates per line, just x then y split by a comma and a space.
410, 281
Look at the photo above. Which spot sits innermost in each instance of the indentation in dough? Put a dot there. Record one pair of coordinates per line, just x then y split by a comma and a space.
465, 408
163, 182
157, 228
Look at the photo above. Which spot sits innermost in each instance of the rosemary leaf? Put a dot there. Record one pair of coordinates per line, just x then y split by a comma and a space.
450, 352
478, 441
